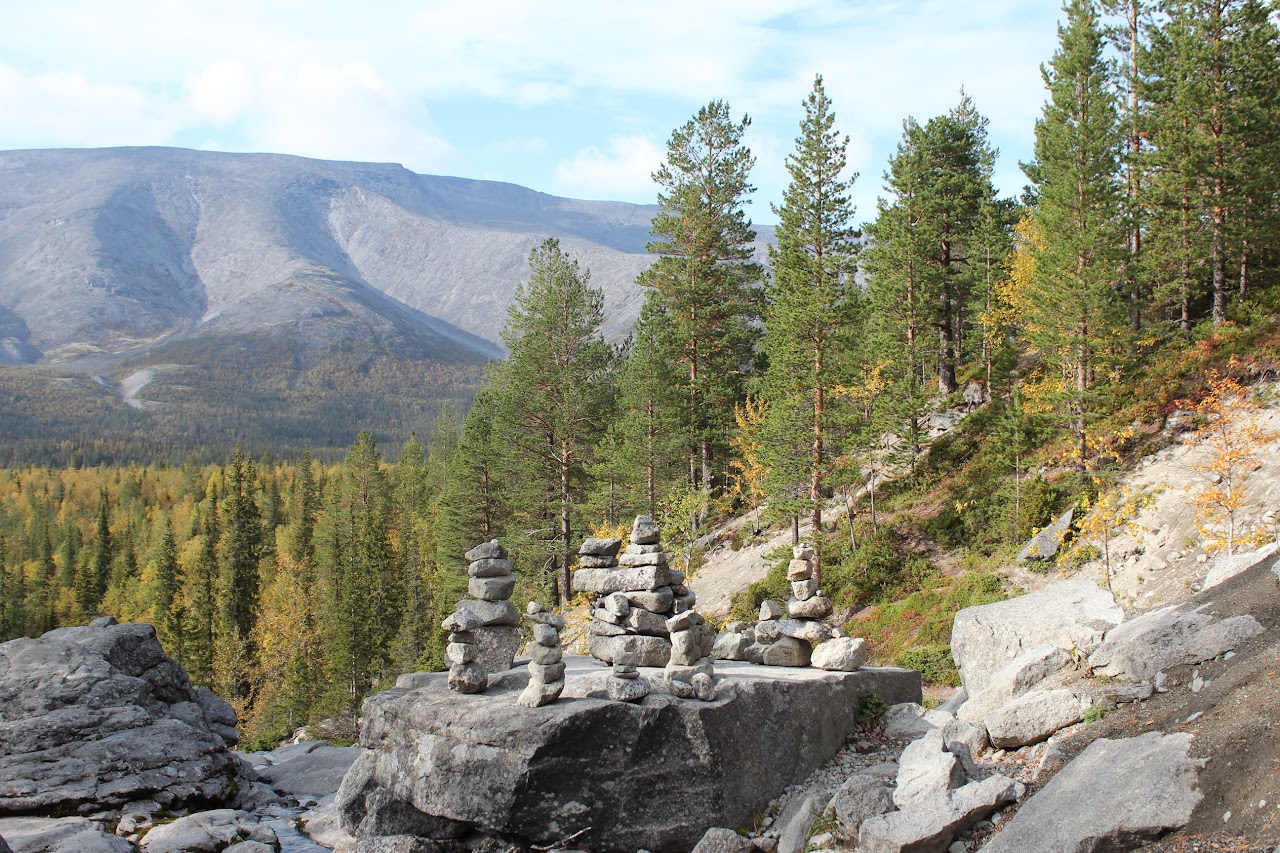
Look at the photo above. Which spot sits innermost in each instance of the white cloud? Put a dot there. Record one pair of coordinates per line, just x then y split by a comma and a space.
623, 171
220, 92
67, 109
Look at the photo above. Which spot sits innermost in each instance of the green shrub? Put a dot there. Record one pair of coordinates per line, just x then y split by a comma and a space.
934, 662
870, 706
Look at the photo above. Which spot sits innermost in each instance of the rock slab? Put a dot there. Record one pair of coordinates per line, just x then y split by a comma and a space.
95, 717
653, 775
1105, 799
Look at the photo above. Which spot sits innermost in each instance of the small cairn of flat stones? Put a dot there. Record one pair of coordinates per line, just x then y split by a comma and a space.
689, 673
626, 684
466, 674
546, 666
492, 580
634, 594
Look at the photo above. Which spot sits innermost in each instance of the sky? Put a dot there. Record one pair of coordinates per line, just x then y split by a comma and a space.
570, 97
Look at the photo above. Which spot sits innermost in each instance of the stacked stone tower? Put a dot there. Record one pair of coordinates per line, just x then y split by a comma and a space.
633, 596
492, 580
546, 668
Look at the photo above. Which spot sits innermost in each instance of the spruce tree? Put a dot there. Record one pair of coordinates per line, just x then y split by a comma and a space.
706, 276
166, 589
812, 302
242, 547
1072, 316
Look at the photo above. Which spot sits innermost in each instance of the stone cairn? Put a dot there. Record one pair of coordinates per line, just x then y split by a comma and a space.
689, 673
633, 596
546, 667
484, 629
798, 635
626, 684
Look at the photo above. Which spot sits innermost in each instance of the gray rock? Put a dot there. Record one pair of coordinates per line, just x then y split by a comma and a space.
927, 770
687, 672
95, 718
491, 568
681, 689
539, 693
704, 686
787, 651
931, 824
1070, 614
954, 703
587, 561
250, 847
861, 796
643, 622
58, 835
795, 821
657, 601
491, 550
1104, 799
684, 601
1227, 566
973, 737
545, 635
627, 689
804, 590
1034, 716
546, 672
542, 616
754, 653
818, 607
600, 547
684, 649
631, 561
497, 588
1045, 544
805, 629
496, 646
644, 531
461, 621
604, 629
1157, 641
458, 653
605, 581
468, 678
323, 825
767, 631
844, 654
650, 651
692, 765
683, 622
208, 832
1021, 674
545, 654
730, 646
617, 604
491, 613
317, 772
716, 840
770, 610
799, 570
911, 720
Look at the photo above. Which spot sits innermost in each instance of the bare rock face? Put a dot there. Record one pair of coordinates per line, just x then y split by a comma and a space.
1165, 638
95, 717
1106, 798
653, 775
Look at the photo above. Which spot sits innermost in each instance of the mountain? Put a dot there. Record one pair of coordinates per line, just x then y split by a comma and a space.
190, 297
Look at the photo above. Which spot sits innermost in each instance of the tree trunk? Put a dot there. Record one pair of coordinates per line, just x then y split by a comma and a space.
565, 531
815, 473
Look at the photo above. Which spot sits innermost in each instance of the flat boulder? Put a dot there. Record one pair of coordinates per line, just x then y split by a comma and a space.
1157, 641
932, 823
57, 835
1071, 615
654, 774
1033, 717
209, 832
311, 768
95, 717
1021, 674
1103, 799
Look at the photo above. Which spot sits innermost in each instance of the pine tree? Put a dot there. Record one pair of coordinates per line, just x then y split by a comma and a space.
306, 505
812, 304
706, 276
166, 591
242, 547
1071, 308
554, 394
93, 584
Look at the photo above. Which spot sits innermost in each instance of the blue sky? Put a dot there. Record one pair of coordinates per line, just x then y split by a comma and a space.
570, 97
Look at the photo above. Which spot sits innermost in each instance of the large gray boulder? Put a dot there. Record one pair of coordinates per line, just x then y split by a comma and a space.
718, 840
930, 825
1034, 716
1165, 638
1114, 796
95, 717
1227, 566
311, 768
209, 832
1022, 673
862, 796
1072, 616
651, 775
927, 771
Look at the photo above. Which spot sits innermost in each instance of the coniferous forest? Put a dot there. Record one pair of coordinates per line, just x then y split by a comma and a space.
1142, 256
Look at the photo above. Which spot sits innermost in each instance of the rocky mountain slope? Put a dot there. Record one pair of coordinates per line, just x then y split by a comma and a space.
217, 284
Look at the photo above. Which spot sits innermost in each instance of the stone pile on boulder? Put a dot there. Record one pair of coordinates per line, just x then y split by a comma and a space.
689, 673
634, 594
546, 667
466, 674
788, 636
492, 580
626, 684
